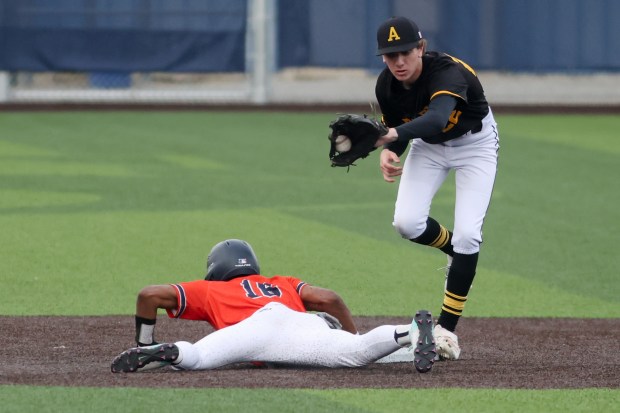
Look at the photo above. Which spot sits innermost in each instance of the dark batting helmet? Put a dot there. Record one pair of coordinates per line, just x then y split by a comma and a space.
230, 259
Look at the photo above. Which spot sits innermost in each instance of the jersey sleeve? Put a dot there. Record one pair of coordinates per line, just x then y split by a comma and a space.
192, 301
296, 283
447, 79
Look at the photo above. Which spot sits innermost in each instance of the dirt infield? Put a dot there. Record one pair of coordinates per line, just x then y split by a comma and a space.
524, 353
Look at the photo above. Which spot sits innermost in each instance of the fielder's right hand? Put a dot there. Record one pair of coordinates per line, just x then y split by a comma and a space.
387, 163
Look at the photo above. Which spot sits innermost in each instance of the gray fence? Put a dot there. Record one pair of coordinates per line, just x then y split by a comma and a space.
230, 50
209, 35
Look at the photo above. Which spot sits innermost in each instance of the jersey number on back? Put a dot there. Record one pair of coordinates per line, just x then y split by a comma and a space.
260, 290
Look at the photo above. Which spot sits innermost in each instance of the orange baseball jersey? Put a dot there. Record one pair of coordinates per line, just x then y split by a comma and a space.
224, 303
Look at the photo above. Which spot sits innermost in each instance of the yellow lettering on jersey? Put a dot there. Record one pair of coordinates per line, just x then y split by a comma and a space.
452, 121
465, 65
393, 35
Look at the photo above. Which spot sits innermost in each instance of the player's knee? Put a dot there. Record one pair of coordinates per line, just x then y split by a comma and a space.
409, 227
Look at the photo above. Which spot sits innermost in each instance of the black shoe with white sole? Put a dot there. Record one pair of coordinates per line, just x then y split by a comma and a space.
425, 352
138, 358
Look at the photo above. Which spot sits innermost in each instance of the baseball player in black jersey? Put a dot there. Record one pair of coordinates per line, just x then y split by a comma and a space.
436, 102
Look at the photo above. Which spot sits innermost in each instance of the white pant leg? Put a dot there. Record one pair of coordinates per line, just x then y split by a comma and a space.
278, 334
360, 350
424, 170
474, 158
305, 339
241, 342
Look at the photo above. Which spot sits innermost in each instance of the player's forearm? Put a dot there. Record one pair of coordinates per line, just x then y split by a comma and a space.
431, 123
345, 318
150, 299
398, 147
146, 316
339, 309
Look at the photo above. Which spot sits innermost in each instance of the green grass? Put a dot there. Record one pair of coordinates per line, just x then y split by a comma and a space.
94, 206
22, 399
91, 201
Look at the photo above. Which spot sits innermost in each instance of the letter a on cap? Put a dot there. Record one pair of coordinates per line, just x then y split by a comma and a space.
393, 34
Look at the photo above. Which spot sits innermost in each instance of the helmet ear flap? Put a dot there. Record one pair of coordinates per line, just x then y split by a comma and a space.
231, 259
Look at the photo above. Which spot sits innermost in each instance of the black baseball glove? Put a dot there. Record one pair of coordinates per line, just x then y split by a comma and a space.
363, 133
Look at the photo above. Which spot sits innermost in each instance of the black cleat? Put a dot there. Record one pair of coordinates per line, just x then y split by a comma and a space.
425, 352
137, 358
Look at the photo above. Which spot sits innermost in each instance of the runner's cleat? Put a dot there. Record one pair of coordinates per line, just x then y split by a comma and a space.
422, 330
145, 358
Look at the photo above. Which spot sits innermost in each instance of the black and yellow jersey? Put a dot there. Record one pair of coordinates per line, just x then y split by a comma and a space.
441, 74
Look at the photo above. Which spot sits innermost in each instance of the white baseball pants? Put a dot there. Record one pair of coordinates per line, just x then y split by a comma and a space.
277, 334
473, 157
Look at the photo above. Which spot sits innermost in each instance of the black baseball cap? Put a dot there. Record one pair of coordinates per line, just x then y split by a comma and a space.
397, 34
